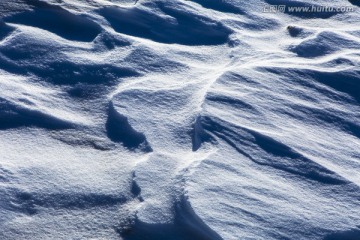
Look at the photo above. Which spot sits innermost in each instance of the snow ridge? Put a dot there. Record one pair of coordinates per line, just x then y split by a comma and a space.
178, 120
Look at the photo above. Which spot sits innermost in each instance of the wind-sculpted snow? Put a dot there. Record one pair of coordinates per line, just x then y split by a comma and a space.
169, 28
325, 43
60, 22
199, 119
119, 130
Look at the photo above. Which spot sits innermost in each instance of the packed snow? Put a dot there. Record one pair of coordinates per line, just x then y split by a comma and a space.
179, 120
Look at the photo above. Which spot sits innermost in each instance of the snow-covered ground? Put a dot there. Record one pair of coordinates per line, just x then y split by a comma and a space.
179, 120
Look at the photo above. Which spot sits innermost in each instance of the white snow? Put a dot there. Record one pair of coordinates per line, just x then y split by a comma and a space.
202, 119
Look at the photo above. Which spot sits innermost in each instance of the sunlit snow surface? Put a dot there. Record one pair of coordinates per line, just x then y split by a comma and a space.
178, 120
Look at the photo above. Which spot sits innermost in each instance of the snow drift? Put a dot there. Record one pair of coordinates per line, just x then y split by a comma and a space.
200, 119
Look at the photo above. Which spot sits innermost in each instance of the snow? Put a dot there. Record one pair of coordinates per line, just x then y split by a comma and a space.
200, 119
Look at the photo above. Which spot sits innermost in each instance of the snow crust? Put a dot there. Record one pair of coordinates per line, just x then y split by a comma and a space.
200, 119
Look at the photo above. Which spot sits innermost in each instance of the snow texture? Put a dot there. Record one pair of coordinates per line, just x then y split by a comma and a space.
181, 120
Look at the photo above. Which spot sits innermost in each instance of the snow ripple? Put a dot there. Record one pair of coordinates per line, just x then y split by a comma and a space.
178, 120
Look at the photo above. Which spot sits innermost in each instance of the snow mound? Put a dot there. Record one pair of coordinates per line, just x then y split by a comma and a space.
179, 120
